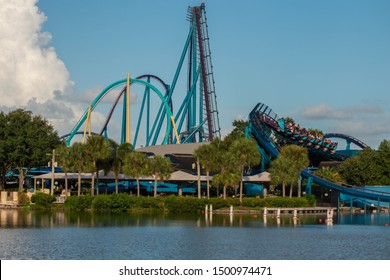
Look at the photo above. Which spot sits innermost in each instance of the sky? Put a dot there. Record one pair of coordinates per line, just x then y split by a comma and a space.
324, 63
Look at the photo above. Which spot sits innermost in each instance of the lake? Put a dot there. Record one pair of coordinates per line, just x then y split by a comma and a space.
103, 236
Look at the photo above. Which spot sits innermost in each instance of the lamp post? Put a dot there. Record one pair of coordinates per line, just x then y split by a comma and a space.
53, 159
197, 164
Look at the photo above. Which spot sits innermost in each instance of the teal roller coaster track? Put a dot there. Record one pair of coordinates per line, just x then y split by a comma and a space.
271, 133
196, 117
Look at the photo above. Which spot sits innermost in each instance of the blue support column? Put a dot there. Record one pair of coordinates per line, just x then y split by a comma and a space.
140, 116
309, 185
147, 117
365, 206
350, 205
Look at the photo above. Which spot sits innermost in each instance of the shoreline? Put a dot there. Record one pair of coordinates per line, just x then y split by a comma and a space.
238, 210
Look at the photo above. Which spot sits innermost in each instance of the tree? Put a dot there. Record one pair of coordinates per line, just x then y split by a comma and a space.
161, 169
286, 169
384, 162
225, 166
363, 169
78, 154
98, 149
121, 153
26, 141
247, 155
205, 154
228, 172
5, 164
64, 160
238, 131
329, 173
135, 165
280, 173
299, 159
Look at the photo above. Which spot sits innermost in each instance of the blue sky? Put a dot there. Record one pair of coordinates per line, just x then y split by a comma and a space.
325, 63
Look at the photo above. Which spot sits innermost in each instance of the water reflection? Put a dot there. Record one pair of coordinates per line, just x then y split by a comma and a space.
50, 219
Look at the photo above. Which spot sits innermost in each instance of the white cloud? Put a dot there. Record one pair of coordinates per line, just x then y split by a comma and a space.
325, 112
32, 76
368, 122
29, 67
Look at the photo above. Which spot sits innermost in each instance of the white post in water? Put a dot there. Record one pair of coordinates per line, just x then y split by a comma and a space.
278, 213
329, 217
231, 209
211, 209
206, 209
265, 211
295, 213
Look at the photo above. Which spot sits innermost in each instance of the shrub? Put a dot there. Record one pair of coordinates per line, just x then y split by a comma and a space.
23, 199
79, 203
119, 202
42, 200
101, 203
311, 199
182, 204
175, 204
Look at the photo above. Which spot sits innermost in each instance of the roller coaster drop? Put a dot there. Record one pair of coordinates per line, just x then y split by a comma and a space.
271, 132
196, 120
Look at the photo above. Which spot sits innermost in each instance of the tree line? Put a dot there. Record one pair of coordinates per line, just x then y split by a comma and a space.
368, 168
27, 141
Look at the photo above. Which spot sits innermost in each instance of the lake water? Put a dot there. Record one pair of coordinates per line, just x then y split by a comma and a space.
91, 236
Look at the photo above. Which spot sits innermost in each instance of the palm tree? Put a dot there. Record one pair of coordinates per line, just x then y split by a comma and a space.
205, 154
286, 169
299, 159
135, 165
246, 154
218, 148
78, 161
228, 172
120, 154
64, 160
98, 149
280, 173
161, 169
329, 174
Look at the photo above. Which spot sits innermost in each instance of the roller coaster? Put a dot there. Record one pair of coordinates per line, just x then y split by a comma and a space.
160, 120
272, 132
196, 118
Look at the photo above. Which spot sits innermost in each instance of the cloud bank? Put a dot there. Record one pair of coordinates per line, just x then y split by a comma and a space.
32, 76
368, 122
30, 68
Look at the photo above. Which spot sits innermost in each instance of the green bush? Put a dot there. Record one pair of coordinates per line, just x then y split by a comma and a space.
311, 199
182, 204
42, 200
150, 203
174, 204
23, 199
101, 203
119, 202
79, 203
